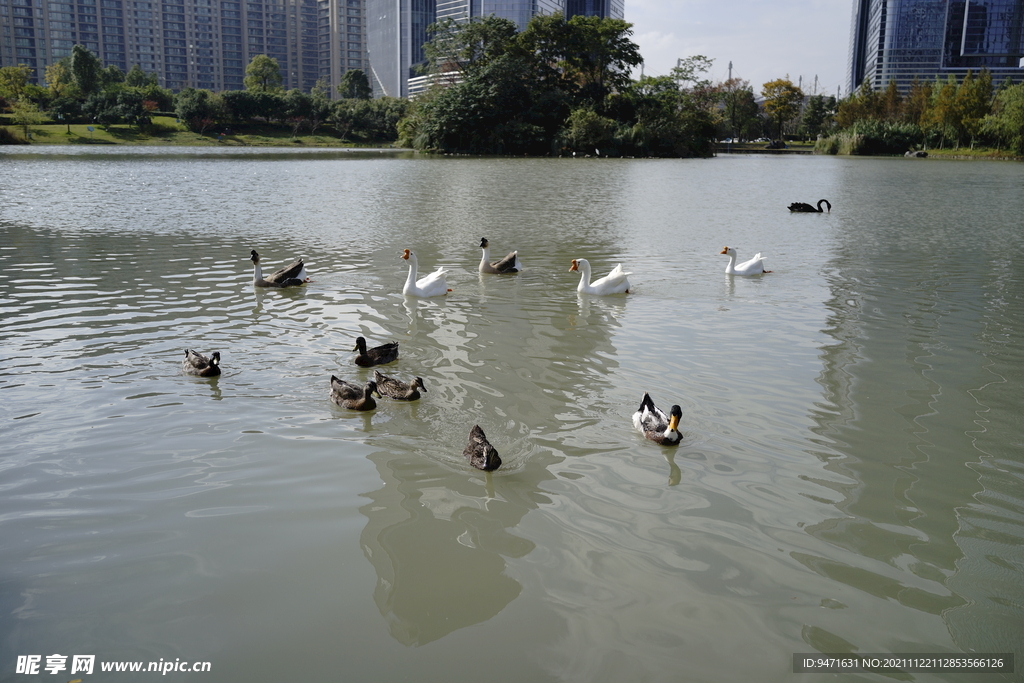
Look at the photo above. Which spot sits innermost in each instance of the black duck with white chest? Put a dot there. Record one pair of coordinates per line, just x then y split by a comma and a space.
198, 365
479, 451
378, 355
293, 275
353, 396
397, 389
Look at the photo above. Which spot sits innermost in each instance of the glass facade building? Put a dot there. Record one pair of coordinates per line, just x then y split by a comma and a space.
398, 30
904, 40
190, 43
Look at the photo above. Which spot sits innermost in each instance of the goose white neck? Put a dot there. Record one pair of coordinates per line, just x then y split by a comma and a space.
257, 272
584, 267
413, 267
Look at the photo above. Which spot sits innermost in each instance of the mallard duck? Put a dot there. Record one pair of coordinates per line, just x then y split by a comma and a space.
199, 365
655, 425
754, 266
803, 207
614, 282
353, 396
509, 264
434, 284
400, 391
378, 355
480, 452
289, 276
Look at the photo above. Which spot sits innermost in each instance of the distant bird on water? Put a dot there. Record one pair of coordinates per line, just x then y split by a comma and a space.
655, 425
803, 207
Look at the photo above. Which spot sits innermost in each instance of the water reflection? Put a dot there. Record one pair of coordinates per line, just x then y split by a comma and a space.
910, 381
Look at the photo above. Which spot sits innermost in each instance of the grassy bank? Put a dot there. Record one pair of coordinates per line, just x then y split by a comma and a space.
166, 131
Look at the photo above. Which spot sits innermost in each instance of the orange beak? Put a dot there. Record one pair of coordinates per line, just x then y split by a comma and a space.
575, 266
405, 255
725, 250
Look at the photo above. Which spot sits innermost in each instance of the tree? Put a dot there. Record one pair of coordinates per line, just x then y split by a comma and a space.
1006, 122
65, 109
263, 75
461, 46
199, 109
320, 106
60, 80
782, 101
14, 81
86, 70
111, 77
973, 102
355, 85
600, 55
137, 78
25, 113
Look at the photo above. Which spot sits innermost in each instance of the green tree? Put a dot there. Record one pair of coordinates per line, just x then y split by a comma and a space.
467, 45
320, 105
782, 101
917, 103
1006, 122
137, 78
14, 81
600, 56
973, 102
263, 75
355, 85
66, 109
60, 80
111, 77
26, 113
86, 70
199, 109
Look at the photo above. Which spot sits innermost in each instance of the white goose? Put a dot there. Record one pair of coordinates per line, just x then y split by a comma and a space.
754, 266
614, 282
434, 284
509, 264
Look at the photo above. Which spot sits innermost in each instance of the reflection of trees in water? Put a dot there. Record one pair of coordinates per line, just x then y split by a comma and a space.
437, 531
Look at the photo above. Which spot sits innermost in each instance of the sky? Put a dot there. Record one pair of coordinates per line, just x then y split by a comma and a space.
764, 39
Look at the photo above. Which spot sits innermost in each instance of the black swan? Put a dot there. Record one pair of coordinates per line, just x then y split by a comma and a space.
802, 207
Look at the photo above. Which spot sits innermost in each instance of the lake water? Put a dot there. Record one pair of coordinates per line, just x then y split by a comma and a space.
851, 477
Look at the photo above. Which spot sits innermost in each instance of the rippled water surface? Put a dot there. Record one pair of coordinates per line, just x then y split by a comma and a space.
851, 477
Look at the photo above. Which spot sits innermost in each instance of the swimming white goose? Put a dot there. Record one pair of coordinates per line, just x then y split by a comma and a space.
199, 365
509, 264
754, 266
614, 282
396, 389
290, 276
353, 396
655, 425
427, 286
479, 451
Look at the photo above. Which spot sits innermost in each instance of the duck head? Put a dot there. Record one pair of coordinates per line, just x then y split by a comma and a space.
483, 243
254, 257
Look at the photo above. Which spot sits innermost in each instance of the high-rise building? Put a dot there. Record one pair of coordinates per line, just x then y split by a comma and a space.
190, 43
398, 30
904, 40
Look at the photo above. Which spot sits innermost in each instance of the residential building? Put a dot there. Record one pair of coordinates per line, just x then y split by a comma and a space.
190, 43
904, 40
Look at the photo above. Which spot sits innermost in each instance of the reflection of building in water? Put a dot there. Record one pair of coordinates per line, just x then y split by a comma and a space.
900, 422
